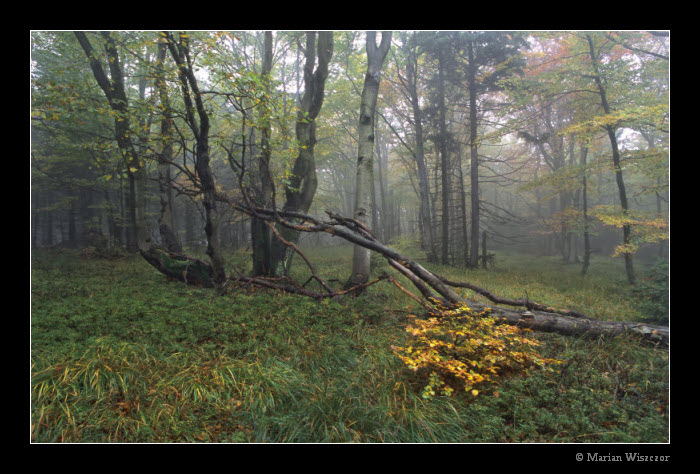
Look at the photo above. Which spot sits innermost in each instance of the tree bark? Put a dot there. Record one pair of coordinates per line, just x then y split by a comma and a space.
365, 154
444, 160
463, 217
180, 267
573, 326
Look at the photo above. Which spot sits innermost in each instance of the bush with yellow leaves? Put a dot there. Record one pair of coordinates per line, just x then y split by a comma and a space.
456, 348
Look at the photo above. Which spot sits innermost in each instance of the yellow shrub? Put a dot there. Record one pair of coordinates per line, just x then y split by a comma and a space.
462, 349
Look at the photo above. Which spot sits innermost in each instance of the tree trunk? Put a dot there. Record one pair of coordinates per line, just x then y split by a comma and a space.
386, 221
584, 198
114, 90
303, 182
610, 129
166, 227
200, 128
365, 152
573, 326
474, 158
180, 267
463, 205
444, 161
260, 233
427, 235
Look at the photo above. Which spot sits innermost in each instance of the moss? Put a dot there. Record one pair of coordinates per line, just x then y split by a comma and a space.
180, 267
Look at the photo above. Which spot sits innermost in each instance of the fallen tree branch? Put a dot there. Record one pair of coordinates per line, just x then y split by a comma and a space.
536, 317
530, 305
410, 295
193, 271
293, 246
575, 326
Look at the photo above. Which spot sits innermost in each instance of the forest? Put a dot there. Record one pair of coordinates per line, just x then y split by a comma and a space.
349, 236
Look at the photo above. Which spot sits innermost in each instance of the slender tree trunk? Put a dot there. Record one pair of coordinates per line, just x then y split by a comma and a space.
200, 128
385, 217
584, 198
379, 231
166, 226
260, 232
427, 235
610, 129
72, 231
112, 228
444, 162
463, 203
649, 137
474, 159
48, 236
119, 229
365, 153
130, 211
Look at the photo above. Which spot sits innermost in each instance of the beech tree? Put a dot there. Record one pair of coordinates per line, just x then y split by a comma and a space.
365, 147
199, 125
115, 92
301, 187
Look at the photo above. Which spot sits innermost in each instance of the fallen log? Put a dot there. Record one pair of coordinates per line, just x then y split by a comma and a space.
537, 316
573, 325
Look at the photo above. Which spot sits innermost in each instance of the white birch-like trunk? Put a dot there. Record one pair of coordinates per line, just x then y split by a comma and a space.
365, 151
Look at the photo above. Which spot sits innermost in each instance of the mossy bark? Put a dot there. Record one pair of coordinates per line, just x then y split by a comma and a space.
179, 267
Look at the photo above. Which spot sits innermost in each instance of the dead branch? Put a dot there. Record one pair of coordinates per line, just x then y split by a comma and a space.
537, 316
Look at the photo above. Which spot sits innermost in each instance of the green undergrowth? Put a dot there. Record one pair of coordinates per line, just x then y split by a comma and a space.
119, 354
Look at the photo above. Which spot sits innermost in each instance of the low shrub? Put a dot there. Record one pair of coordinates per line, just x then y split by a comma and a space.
456, 348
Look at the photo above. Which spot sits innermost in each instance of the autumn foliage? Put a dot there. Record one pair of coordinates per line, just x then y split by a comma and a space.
455, 348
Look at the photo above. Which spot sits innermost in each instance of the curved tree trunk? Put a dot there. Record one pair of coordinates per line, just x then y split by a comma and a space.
200, 128
300, 192
114, 90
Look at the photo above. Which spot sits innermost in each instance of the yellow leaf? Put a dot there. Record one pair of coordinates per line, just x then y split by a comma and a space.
475, 392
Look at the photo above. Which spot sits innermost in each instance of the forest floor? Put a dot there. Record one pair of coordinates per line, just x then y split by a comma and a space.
119, 354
